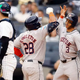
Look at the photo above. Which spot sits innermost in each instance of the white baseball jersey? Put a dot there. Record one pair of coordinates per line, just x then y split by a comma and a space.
33, 43
69, 42
6, 29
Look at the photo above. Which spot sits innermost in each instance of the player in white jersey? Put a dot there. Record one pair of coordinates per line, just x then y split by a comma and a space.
33, 44
69, 44
7, 35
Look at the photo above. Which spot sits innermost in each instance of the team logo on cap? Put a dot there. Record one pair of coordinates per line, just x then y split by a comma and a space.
70, 15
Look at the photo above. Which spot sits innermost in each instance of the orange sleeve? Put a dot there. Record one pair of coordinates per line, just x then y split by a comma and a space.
17, 52
51, 14
52, 17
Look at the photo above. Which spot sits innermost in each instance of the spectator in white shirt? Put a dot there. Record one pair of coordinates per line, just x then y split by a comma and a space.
22, 15
34, 9
45, 19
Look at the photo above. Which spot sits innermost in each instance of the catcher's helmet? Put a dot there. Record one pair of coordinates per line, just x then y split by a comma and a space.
32, 23
73, 18
5, 7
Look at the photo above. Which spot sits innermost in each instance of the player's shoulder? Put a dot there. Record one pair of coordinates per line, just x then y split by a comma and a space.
76, 34
24, 33
5, 23
42, 28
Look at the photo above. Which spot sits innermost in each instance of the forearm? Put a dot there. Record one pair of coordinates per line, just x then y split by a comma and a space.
52, 17
4, 46
18, 52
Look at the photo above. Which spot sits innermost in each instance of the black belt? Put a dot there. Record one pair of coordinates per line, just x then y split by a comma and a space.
32, 61
8, 54
64, 61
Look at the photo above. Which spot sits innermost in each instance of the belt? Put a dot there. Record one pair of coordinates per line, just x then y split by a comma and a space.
8, 54
64, 61
32, 61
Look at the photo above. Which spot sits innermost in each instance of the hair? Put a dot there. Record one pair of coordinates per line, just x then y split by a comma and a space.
29, 2
36, 9
4, 14
70, 6
41, 11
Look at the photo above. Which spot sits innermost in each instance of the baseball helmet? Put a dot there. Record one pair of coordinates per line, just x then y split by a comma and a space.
73, 18
5, 7
32, 23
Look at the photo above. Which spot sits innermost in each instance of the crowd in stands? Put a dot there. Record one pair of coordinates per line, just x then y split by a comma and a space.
23, 9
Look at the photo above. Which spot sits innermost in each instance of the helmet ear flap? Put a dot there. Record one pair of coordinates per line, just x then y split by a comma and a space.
38, 24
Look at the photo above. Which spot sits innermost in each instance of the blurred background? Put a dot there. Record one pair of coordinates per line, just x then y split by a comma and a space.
23, 9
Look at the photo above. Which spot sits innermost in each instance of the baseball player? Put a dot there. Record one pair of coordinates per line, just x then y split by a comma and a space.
33, 44
7, 35
69, 44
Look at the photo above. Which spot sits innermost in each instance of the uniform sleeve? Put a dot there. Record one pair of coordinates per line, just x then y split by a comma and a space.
42, 32
59, 28
77, 41
5, 29
17, 43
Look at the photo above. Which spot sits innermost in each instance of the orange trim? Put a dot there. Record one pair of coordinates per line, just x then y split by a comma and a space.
62, 17
51, 14
17, 52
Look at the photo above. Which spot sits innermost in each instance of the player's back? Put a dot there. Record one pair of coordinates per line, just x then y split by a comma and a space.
33, 44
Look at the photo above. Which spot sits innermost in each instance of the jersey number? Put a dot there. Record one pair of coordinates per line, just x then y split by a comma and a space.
29, 48
67, 47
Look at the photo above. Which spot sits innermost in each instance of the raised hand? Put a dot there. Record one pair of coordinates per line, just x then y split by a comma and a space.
63, 10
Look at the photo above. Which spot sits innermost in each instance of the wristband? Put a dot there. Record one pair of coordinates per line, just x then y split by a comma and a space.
62, 17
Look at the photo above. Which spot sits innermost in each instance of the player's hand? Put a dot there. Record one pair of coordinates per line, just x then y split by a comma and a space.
63, 10
21, 60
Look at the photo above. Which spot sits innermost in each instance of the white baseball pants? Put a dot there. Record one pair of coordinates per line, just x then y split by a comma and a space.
8, 66
32, 70
67, 70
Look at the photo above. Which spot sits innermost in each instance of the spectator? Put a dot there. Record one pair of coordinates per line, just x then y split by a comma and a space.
29, 4
51, 73
34, 9
52, 37
22, 16
69, 9
45, 20
14, 9
15, 2
57, 14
